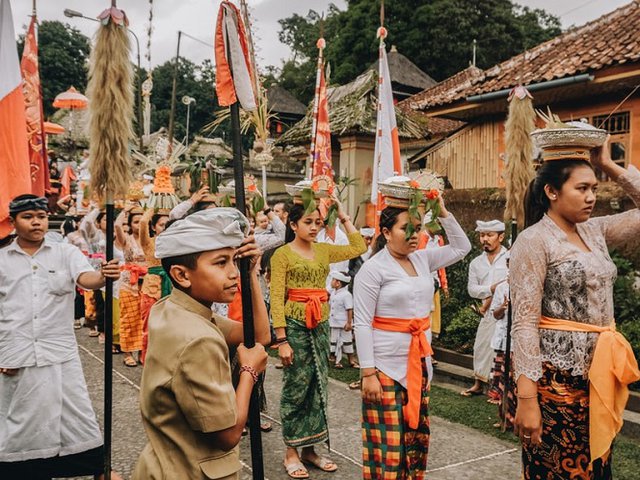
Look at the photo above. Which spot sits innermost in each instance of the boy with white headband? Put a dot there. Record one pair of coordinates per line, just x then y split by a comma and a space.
191, 413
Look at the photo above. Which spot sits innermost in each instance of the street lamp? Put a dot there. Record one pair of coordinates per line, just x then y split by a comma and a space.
75, 14
187, 100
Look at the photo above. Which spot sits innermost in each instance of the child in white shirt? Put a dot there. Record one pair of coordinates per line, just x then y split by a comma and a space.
341, 319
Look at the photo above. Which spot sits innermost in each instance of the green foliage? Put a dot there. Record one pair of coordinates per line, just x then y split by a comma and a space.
626, 296
63, 53
436, 35
461, 330
308, 201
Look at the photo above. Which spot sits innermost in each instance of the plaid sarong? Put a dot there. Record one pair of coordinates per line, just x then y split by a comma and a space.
391, 450
130, 322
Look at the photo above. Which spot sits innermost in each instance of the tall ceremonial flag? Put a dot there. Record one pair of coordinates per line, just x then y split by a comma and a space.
234, 75
34, 112
386, 157
15, 178
320, 150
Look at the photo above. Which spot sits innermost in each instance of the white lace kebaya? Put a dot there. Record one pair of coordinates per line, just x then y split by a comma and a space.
552, 277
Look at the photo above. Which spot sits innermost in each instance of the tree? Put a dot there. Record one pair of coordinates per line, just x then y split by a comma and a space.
437, 35
63, 53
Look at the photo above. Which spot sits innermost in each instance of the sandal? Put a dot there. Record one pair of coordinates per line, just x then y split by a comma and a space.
129, 361
296, 470
115, 349
470, 393
338, 366
94, 333
355, 385
354, 364
323, 463
266, 426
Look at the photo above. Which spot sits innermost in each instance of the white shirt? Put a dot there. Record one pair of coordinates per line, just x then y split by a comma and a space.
341, 239
36, 304
499, 339
383, 288
341, 300
483, 274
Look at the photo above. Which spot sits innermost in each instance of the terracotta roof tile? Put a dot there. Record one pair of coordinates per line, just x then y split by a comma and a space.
611, 39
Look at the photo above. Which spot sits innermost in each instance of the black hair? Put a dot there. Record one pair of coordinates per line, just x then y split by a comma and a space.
154, 221
388, 218
130, 220
190, 261
554, 173
265, 261
68, 226
295, 214
100, 217
202, 206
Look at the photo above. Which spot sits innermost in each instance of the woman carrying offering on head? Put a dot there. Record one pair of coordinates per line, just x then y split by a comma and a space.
565, 347
300, 309
393, 295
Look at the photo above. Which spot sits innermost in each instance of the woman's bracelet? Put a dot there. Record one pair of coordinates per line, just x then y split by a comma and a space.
280, 341
526, 397
250, 370
345, 219
369, 374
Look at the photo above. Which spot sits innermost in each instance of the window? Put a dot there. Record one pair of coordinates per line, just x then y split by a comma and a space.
618, 126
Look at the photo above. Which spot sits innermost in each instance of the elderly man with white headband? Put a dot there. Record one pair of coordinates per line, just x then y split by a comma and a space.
486, 272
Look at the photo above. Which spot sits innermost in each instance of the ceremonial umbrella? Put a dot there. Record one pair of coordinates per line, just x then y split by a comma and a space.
72, 99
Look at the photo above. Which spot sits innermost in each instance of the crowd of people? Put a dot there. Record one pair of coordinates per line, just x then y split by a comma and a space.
320, 293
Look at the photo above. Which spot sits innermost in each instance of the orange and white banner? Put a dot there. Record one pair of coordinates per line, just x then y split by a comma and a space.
234, 76
386, 157
321, 141
15, 175
35, 117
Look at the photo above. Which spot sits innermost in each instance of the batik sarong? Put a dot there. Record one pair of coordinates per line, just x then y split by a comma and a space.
564, 451
303, 404
497, 391
391, 450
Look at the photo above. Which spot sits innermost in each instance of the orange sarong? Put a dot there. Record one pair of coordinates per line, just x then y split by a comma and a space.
613, 368
418, 349
313, 298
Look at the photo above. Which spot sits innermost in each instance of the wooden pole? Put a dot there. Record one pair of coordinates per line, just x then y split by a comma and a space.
108, 343
173, 92
257, 461
507, 353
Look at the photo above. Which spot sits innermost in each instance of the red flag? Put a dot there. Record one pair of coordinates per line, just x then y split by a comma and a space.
14, 157
35, 117
322, 164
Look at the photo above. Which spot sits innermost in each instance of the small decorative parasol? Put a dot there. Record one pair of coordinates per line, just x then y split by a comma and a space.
72, 99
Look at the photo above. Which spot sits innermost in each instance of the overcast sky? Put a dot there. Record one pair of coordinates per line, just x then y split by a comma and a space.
197, 18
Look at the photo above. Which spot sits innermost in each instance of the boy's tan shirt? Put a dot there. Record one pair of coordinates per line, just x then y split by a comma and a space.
186, 394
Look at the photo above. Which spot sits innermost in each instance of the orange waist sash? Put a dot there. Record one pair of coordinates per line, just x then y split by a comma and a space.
313, 298
418, 349
613, 368
136, 271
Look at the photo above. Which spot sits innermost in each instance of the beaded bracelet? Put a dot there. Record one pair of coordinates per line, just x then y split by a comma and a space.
251, 370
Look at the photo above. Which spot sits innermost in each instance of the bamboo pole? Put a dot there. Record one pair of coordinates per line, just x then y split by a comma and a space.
316, 101
255, 437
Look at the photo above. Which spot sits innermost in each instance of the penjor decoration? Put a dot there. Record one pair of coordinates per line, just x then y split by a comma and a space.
519, 151
110, 89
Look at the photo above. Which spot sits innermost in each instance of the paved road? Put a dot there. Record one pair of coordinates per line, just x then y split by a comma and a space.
457, 452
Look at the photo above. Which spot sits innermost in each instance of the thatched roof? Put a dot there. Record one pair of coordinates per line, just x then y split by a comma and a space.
210, 148
404, 72
280, 100
352, 109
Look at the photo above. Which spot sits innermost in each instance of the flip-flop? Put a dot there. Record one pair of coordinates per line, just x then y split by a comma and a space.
266, 427
130, 362
471, 393
296, 470
323, 463
354, 365
338, 366
355, 385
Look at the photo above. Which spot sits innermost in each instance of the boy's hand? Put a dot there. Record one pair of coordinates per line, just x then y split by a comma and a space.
111, 269
255, 357
348, 327
249, 249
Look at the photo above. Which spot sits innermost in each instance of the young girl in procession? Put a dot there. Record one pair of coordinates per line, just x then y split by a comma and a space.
393, 295
299, 309
566, 349
133, 269
156, 284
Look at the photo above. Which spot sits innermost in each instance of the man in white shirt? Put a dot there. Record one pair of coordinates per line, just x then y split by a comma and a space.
340, 238
47, 424
341, 319
486, 272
